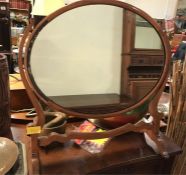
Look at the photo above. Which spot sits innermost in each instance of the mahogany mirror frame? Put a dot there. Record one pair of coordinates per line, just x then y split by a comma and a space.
36, 95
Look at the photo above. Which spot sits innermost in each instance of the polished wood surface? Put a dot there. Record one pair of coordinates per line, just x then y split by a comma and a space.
18, 96
91, 100
21, 117
94, 103
16, 82
123, 154
126, 154
19, 100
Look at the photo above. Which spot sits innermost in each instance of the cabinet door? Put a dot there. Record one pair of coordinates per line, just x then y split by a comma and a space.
140, 88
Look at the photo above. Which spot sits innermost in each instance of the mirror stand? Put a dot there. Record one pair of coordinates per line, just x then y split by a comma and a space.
64, 94
150, 130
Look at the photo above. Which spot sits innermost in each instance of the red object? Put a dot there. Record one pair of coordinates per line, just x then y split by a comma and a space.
119, 120
173, 50
84, 127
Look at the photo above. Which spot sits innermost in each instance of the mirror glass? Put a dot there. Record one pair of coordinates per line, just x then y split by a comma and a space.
77, 60
145, 32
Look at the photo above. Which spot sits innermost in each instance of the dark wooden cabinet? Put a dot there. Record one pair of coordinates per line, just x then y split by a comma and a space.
5, 33
140, 87
126, 154
142, 67
145, 167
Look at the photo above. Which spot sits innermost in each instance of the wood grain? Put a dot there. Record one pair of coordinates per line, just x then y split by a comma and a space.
4, 98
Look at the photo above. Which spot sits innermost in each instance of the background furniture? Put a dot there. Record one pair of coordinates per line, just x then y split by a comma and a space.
5, 33
4, 99
18, 94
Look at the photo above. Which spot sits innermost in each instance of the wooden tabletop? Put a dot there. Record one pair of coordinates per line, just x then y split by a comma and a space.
123, 150
69, 158
15, 82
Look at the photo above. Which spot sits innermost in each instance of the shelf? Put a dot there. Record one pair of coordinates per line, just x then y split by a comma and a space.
4, 2
17, 9
21, 117
144, 65
94, 103
143, 78
91, 100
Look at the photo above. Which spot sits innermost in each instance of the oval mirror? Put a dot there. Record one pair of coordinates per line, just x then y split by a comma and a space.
97, 58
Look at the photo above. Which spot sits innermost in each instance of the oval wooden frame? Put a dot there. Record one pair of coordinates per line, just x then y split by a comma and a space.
35, 93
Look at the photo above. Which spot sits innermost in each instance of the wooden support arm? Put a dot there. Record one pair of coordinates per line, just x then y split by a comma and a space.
72, 134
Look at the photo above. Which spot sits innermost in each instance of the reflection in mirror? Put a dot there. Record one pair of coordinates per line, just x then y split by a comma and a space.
77, 61
145, 32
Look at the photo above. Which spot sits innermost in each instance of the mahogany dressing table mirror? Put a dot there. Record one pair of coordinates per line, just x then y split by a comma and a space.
101, 60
